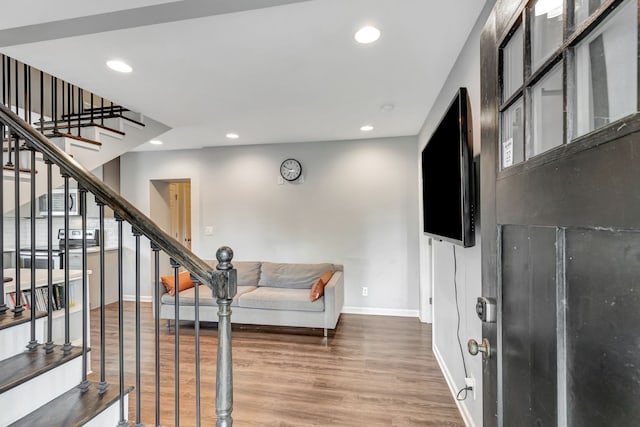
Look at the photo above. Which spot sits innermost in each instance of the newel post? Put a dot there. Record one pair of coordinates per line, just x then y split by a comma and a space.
225, 287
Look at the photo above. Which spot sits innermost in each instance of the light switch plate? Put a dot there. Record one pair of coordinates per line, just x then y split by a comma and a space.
208, 230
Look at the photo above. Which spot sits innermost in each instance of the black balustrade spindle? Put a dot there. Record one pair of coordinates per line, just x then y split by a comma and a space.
54, 104
25, 92
8, 104
41, 102
197, 348
84, 384
17, 74
3, 304
101, 111
69, 106
176, 287
66, 348
33, 343
123, 422
156, 308
4, 80
137, 235
48, 347
91, 109
103, 385
79, 109
18, 307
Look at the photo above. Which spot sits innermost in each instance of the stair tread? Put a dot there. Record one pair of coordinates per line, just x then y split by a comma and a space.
8, 319
73, 408
22, 367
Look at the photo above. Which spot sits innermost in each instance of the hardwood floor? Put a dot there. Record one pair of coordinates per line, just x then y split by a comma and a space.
375, 371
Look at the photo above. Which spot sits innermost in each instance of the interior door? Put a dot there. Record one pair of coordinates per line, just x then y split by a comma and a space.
560, 208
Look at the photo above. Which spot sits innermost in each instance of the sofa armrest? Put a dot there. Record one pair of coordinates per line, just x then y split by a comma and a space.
333, 299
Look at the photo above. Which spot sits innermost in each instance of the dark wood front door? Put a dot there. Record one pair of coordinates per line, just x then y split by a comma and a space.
560, 209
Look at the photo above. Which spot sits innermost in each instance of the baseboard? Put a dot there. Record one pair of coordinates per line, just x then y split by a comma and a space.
143, 298
464, 412
380, 311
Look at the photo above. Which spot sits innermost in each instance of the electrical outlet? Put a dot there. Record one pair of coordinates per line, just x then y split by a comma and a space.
365, 291
471, 382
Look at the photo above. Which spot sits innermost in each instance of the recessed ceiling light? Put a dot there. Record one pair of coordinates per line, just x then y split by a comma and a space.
119, 66
232, 135
155, 142
366, 35
387, 107
366, 128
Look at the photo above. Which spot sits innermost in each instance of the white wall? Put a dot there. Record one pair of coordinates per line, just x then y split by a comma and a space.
466, 72
357, 206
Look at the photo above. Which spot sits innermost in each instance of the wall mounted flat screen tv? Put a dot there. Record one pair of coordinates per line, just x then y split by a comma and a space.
447, 177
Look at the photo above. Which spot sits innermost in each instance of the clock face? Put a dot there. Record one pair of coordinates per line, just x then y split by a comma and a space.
291, 169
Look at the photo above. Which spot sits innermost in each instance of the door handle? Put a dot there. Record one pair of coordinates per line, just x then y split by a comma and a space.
484, 348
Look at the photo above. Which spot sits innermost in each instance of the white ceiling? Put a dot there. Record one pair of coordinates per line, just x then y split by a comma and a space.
286, 73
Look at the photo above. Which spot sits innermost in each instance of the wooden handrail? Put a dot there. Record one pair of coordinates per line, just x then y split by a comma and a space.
121, 207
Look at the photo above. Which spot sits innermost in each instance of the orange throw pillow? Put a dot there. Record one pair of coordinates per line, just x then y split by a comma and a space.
317, 289
184, 282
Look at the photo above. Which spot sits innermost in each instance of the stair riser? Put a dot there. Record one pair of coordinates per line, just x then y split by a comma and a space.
110, 416
28, 397
15, 339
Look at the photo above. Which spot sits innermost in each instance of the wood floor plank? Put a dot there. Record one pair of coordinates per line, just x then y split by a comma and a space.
374, 371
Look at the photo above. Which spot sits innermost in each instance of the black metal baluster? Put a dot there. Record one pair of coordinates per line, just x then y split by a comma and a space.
197, 349
79, 108
17, 74
33, 343
102, 387
156, 308
49, 345
18, 308
91, 110
137, 235
29, 95
54, 104
66, 348
4, 80
84, 384
69, 105
25, 91
41, 102
123, 422
101, 111
8, 104
3, 304
176, 266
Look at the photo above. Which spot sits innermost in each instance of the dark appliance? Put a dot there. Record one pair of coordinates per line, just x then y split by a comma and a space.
447, 177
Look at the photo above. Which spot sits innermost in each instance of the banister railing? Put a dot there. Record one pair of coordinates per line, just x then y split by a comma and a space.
221, 281
121, 207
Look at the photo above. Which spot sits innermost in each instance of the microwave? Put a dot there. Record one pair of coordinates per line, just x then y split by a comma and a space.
57, 205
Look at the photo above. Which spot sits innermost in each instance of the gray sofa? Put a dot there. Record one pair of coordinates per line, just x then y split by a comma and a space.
276, 294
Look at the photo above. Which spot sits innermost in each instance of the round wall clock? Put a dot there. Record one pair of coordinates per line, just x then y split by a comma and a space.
291, 169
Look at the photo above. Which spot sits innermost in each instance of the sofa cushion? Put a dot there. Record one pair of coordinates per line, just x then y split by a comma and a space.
281, 299
248, 271
317, 289
188, 297
184, 282
293, 276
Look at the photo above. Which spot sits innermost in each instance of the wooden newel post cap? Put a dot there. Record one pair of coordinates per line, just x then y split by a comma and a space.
225, 277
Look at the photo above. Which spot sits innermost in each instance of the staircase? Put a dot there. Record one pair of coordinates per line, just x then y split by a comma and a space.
46, 375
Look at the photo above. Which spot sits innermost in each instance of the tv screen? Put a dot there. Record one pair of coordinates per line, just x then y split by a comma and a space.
447, 178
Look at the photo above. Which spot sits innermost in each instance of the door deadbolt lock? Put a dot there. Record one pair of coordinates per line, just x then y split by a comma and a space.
483, 348
486, 309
